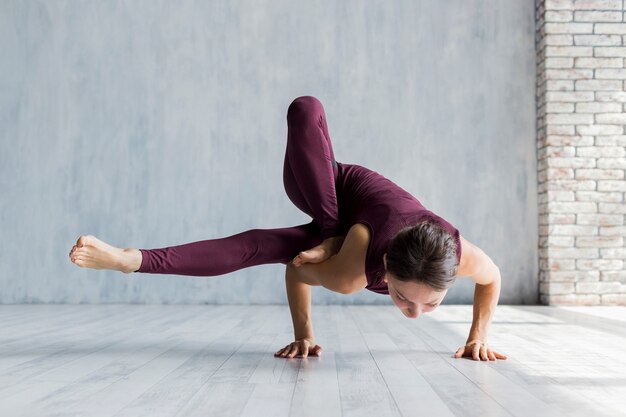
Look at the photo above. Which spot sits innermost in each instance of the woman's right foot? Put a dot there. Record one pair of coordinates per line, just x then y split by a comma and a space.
91, 252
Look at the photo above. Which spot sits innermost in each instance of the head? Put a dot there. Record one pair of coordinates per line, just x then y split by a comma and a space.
420, 267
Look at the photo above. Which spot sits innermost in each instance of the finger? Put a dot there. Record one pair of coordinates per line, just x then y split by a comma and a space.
499, 355
318, 350
475, 351
492, 357
293, 351
459, 352
305, 351
483, 353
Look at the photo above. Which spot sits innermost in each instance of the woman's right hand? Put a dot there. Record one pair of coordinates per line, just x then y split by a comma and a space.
299, 347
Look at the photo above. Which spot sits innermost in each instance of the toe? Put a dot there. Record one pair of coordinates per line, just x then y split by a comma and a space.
84, 240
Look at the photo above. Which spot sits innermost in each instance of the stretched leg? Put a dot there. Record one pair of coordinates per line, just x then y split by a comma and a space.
310, 170
223, 255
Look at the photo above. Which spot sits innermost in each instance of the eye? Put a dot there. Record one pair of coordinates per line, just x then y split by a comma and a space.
399, 296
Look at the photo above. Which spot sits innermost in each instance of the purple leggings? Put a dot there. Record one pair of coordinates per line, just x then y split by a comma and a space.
309, 176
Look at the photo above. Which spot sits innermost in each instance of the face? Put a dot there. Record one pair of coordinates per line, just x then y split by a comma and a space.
412, 298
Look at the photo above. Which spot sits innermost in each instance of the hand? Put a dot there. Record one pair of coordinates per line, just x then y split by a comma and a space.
328, 248
302, 347
478, 350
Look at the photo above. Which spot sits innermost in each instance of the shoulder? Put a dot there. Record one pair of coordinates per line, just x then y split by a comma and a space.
474, 261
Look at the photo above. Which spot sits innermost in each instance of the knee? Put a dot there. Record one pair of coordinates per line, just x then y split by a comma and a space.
304, 106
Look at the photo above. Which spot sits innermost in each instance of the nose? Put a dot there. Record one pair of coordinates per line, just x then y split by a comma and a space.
413, 314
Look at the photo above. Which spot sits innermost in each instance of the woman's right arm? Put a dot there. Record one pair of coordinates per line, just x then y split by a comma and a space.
299, 297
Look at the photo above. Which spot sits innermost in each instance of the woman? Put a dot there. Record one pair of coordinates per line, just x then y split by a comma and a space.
366, 232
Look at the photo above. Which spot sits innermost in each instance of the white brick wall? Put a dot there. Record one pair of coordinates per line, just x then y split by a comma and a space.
581, 150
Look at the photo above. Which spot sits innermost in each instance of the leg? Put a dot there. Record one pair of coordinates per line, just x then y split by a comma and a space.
310, 170
223, 255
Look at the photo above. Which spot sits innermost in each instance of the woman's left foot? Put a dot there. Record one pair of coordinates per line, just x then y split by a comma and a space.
91, 252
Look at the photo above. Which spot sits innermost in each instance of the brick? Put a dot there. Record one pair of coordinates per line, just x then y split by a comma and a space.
619, 276
571, 162
556, 241
613, 253
568, 74
560, 40
557, 174
599, 174
559, 16
609, 73
600, 151
582, 62
610, 140
557, 264
600, 219
598, 287
562, 140
597, 107
569, 51
598, 5
617, 96
572, 276
599, 264
570, 118
571, 299
571, 96
572, 207
597, 85
613, 231
611, 185
617, 28
611, 118
612, 208
595, 16
562, 107
597, 40
559, 85
550, 28
599, 241
611, 163
613, 299
559, 4
609, 51
557, 287
561, 62
600, 130
599, 196
560, 129
556, 151
571, 185
552, 218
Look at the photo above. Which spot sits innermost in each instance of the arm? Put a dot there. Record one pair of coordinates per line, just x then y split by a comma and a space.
299, 298
486, 275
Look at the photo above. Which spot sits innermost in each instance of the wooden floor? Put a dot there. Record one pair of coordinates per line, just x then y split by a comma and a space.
175, 360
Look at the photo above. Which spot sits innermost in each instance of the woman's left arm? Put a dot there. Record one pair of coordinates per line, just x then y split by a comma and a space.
486, 275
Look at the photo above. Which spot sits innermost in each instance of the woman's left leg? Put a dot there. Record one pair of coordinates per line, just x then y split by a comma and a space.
223, 255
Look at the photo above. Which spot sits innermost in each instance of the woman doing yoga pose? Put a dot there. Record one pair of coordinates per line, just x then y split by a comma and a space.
366, 233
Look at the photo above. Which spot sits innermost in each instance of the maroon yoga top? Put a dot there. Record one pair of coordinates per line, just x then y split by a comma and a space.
367, 197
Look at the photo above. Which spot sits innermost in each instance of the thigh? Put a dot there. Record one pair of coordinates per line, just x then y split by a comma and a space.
310, 170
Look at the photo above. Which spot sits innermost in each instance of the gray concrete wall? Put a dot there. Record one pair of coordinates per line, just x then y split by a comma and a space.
150, 124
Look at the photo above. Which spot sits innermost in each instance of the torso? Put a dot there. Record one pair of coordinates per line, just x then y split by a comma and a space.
383, 208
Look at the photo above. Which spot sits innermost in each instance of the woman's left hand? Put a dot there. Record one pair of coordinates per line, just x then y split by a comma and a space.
478, 350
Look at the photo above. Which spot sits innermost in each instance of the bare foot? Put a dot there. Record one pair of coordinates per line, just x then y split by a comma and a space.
91, 252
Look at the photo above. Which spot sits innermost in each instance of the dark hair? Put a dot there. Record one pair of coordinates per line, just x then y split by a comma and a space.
424, 252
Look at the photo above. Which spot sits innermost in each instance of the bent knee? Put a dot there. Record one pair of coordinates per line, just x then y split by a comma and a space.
304, 106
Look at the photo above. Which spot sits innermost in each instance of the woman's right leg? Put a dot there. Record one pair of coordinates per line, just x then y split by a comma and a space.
223, 255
